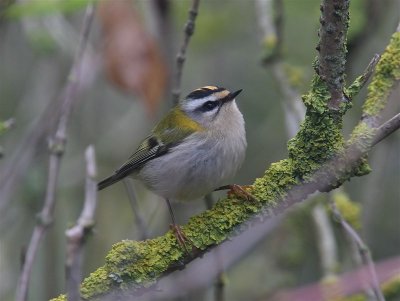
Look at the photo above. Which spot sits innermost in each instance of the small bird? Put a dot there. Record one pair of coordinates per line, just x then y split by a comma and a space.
192, 151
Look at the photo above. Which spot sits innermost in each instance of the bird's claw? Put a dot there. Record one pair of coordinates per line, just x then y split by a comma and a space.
180, 237
241, 192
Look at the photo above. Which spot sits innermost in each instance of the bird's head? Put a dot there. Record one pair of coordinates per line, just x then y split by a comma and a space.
211, 105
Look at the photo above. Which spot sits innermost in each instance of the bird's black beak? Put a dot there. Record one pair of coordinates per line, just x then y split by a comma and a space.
230, 97
234, 94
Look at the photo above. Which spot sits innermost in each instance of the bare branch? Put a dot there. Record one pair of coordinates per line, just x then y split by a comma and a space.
332, 48
370, 68
57, 146
360, 82
326, 240
292, 105
387, 129
362, 248
76, 236
180, 58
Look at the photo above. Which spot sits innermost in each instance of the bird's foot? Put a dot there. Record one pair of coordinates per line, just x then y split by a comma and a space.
239, 191
181, 237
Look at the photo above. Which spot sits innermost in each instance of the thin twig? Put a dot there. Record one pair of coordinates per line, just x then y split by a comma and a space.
326, 240
57, 146
332, 48
292, 105
180, 58
370, 68
386, 129
139, 220
357, 85
76, 236
362, 248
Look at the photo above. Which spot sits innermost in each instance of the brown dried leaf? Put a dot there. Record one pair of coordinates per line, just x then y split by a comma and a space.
133, 61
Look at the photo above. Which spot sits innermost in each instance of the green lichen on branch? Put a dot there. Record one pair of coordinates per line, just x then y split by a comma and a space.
386, 75
320, 136
362, 135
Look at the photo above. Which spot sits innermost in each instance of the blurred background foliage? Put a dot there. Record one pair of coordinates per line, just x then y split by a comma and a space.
118, 106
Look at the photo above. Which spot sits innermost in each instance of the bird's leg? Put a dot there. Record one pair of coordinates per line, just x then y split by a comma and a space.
239, 191
176, 229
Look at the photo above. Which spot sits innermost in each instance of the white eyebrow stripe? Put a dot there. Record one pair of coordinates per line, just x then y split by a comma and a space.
195, 103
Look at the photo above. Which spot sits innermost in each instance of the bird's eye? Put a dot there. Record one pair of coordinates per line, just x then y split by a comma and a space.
209, 105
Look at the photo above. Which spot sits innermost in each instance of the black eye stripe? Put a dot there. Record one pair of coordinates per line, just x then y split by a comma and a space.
208, 106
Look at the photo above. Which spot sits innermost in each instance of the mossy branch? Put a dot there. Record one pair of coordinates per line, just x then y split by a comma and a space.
387, 75
319, 160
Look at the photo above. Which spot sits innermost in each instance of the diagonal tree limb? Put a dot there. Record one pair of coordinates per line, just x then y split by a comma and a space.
386, 129
360, 81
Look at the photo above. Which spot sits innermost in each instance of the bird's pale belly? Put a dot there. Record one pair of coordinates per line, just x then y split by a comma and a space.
191, 171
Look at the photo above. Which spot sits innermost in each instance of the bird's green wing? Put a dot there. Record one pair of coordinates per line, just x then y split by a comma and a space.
150, 148
170, 132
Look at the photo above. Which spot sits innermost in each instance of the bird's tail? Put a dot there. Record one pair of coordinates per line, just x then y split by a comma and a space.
109, 181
